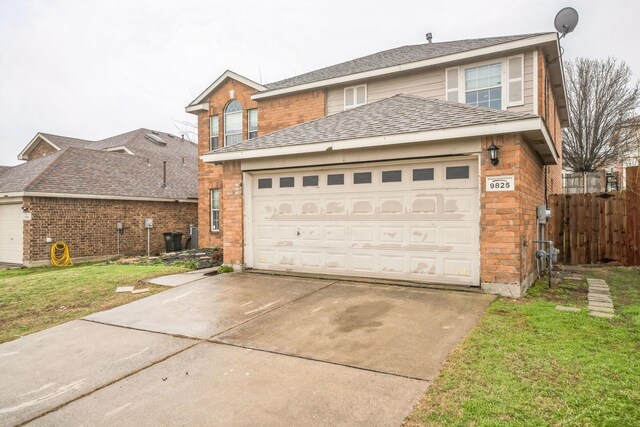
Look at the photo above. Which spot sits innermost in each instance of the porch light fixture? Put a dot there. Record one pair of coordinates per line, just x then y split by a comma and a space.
493, 154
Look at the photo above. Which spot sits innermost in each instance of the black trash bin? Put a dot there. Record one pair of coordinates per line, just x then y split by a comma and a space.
177, 241
168, 241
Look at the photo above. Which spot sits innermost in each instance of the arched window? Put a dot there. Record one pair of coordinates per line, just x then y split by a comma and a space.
233, 123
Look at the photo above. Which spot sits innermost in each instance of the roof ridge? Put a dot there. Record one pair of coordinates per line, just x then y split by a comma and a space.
507, 39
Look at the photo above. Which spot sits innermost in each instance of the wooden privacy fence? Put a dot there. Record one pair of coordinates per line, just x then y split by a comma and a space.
597, 227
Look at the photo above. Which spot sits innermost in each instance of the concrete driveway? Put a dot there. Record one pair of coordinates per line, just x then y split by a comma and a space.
240, 349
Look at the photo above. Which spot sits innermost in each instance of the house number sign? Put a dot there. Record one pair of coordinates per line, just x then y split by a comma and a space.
500, 183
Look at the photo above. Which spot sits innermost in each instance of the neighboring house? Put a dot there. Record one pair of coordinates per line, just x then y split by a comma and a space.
78, 191
378, 167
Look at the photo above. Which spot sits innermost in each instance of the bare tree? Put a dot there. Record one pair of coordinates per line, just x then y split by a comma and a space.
188, 129
602, 107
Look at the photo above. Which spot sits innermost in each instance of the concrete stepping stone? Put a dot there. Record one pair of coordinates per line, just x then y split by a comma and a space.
600, 304
564, 308
596, 281
601, 298
575, 278
599, 291
601, 309
599, 314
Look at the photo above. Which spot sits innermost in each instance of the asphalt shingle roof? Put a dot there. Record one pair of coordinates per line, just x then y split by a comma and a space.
65, 142
398, 114
396, 56
93, 171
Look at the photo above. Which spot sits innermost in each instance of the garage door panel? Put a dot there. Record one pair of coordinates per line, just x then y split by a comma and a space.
418, 230
11, 233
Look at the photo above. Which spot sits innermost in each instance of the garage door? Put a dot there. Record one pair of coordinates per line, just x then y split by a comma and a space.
410, 221
11, 221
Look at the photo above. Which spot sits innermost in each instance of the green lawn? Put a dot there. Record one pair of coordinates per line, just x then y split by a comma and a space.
32, 299
529, 364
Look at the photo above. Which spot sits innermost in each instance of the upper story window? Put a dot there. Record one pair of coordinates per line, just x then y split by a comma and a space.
355, 96
214, 132
233, 123
252, 119
497, 84
483, 86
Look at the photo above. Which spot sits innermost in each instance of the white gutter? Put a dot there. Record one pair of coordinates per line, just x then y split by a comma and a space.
518, 44
92, 196
524, 125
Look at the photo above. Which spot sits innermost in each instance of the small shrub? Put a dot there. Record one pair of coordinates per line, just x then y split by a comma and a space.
225, 269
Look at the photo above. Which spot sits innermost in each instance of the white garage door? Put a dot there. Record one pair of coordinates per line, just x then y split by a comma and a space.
409, 221
11, 221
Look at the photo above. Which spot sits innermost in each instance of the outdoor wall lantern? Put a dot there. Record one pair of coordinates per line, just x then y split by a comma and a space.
493, 154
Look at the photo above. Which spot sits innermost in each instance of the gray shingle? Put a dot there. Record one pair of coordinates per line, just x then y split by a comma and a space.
91, 170
396, 56
399, 114
66, 142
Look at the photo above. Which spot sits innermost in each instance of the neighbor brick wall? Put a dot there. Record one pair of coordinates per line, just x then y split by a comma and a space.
273, 114
508, 219
548, 111
41, 149
88, 225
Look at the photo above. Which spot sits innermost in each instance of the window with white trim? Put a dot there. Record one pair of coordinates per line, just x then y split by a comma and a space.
483, 86
252, 119
214, 132
355, 96
215, 209
232, 123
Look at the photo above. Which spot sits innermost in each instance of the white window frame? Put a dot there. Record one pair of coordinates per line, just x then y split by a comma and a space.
355, 96
226, 114
211, 129
249, 123
503, 79
214, 211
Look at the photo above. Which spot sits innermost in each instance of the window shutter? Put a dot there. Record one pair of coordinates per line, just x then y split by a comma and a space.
452, 82
515, 78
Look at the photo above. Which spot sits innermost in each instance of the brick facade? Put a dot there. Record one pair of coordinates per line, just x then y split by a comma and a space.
273, 114
548, 111
88, 226
40, 150
508, 219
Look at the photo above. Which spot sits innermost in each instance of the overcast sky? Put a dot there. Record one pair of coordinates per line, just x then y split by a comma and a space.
94, 69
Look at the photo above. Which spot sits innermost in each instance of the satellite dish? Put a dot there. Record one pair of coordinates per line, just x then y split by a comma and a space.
566, 21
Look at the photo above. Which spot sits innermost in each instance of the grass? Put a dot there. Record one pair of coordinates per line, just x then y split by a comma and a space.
529, 364
32, 299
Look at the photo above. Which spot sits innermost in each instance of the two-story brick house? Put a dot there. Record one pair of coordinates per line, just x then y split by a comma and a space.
379, 166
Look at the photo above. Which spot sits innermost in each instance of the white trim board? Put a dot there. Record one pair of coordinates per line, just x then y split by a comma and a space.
534, 124
91, 196
504, 47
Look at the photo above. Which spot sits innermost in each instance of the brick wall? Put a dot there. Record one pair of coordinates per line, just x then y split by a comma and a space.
548, 111
88, 225
288, 110
508, 219
232, 214
273, 114
41, 149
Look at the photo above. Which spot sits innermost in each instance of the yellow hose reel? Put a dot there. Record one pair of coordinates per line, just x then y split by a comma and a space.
64, 259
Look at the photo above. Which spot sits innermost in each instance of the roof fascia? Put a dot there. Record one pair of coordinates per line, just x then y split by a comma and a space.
227, 74
489, 50
93, 196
